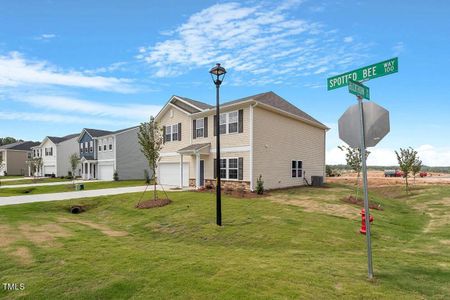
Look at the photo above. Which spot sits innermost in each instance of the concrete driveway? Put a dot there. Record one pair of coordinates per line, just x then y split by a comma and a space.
12, 200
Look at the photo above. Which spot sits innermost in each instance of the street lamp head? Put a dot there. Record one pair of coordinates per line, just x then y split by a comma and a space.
218, 74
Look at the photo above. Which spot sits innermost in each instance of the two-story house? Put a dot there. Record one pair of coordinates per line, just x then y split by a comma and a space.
55, 153
105, 152
14, 156
260, 135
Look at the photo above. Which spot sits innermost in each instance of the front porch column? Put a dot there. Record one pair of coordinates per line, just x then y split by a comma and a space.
197, 170
89, 171
181, 170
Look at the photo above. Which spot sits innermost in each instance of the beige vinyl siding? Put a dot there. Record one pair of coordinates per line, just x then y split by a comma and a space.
171, 117
277, 141
15, 161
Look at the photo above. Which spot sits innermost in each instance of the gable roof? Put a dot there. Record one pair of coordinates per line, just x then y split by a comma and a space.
58, 140
119, 131
196, 103
26, 146
96, 132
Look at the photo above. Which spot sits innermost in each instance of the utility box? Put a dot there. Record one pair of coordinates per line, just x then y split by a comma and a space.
80, 186
317, 180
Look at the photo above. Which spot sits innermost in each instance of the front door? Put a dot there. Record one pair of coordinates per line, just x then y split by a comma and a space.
202, 173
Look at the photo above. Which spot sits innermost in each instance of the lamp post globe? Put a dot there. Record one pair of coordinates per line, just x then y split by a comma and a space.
218, 74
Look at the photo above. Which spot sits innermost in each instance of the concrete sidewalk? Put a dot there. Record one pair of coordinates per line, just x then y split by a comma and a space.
14, 179
12, 200
47, 183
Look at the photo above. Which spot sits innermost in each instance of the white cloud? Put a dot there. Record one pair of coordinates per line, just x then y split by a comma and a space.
57, 118
16, 71
348, 39
251, 40
398, 48
45, 37
129, 111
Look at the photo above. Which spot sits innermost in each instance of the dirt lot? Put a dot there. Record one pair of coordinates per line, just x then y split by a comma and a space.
376, 178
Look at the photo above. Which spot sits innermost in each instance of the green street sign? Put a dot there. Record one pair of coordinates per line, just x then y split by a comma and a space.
358, 89
373, 71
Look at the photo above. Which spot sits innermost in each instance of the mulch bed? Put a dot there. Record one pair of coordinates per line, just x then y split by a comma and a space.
235, 194
153, 203
360, 202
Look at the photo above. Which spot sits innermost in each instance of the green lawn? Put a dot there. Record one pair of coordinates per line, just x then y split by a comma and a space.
28, 181
299, 243
19, 191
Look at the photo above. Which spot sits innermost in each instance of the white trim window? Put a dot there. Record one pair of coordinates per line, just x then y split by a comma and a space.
200, 127
229, 122
233, 122
229, 168
297, 169
99, 145
168, 133
81, 147
110, 144
91, 146
104, 145
175, 132
86, 147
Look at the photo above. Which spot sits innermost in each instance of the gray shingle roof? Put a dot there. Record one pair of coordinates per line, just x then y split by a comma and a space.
194, 147
57, 140
267, 98
119, 131
97, 132
196, 103
26, 146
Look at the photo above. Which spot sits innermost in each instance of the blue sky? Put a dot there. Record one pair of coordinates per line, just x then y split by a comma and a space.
65, 65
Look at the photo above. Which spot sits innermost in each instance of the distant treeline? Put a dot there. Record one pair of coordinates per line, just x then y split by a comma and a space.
382, 168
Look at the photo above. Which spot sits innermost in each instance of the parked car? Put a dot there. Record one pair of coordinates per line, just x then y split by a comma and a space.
423, 174
392, 173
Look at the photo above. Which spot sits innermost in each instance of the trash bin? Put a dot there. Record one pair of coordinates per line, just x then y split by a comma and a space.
316, 180
80, 186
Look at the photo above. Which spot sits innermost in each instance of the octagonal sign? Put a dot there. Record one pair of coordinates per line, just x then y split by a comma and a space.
376, 123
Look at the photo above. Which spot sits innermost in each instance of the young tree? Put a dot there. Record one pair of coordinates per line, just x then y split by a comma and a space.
150, 138
406, 159
74, 161
353, 159
36, 164
416, 167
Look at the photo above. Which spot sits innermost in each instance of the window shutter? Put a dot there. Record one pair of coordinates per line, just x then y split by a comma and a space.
205, 127
215, 125
215, 168
194, 129
241, 121
164, 134
241, 168
179, 131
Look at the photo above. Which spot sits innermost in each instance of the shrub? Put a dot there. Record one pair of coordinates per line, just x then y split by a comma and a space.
116, 176
146, 176
260, 185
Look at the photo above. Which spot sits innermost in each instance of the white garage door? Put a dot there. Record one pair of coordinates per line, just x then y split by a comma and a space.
49, 170
106, 172
169, 174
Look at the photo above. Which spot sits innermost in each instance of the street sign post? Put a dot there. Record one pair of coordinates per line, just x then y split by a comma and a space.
373, 125
358, 89
383, 68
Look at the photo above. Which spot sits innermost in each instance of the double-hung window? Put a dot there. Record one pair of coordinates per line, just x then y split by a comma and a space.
223, 168
86, 147
104, 145
175, 132
168, 133
297, 169
223, 124
100, 146
91, 146
81, 147
200, 127
110, 144
233, 122
229, 168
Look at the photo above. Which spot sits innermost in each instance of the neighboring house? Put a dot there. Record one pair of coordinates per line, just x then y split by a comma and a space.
104, 152
14, 158
260, 135
55, 153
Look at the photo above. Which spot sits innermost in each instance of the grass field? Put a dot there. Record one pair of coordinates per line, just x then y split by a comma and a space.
28, 181
20, 191
298, 243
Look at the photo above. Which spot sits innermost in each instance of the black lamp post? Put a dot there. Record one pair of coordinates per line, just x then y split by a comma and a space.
217, 75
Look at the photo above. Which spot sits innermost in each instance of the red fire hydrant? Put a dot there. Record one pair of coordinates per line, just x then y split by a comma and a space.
363, 221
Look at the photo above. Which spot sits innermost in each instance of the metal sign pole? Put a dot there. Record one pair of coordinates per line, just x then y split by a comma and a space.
366, 195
